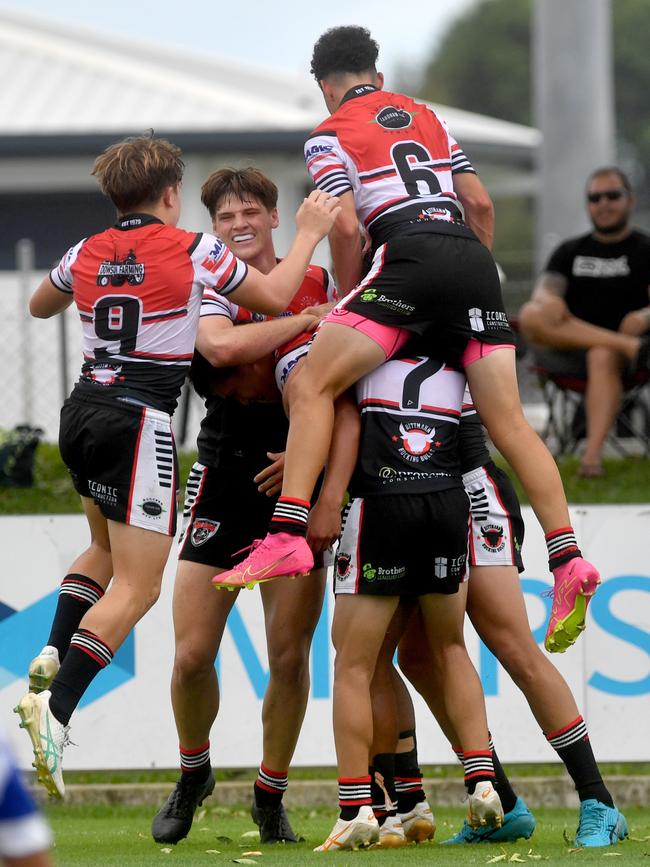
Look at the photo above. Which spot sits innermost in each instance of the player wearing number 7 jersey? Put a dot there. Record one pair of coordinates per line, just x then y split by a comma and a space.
138, 288
396, 168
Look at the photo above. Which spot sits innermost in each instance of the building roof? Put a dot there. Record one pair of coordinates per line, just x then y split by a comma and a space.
67, 89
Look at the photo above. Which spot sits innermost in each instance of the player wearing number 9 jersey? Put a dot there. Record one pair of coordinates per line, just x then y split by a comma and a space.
138, 288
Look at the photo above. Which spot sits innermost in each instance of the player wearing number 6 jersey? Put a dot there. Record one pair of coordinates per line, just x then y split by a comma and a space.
396, 168
138, 289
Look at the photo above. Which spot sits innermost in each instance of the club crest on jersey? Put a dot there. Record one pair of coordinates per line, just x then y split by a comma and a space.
492, 538
416, 439
390, 117
117, 272
343, 562
202, 530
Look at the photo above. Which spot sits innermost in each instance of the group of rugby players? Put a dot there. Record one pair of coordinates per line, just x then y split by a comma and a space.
374, 387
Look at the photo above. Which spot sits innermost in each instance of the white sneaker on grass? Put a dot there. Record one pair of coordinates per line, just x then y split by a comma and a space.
48, 737
485, 807
356, 833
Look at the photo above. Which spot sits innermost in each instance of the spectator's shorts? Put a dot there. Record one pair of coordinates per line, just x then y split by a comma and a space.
403, 544
122, 456
496, 526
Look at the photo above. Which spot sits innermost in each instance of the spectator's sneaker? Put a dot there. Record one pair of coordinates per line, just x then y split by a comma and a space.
48, 737
600, 825
484, 808
356, 833
391, 833
278, 555
575, 584
517, 823
174, 819
419, 824
273, 823
43, 669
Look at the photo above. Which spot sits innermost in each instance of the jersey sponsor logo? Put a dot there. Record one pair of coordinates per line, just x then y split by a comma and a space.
416, 439
211, 261
486, 320
393, 118
102, 374
318, 149
202, 530
453, 567
372, 573
593, 266
436, 214
492, 538
394, 304
117, 272
102, 493
152, 507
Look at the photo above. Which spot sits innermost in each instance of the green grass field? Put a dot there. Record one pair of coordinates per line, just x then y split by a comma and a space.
626, 481
120, 836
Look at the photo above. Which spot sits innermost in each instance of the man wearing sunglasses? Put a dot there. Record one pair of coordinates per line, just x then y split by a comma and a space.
590, 308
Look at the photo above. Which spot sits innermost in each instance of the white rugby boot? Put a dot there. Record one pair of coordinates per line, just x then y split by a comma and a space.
357, 833
48, 737
485, 808
419, 824
43, 669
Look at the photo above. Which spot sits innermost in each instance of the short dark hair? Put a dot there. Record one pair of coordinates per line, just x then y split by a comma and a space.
342, 50
244, 184
610, 170
137, 170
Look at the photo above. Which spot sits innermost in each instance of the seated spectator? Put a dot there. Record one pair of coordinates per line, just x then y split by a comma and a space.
590, 307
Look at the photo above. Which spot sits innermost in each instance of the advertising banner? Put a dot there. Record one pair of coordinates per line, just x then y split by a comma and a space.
125, 719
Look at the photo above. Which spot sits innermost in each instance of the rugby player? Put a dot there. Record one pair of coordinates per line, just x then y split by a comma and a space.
396, 168
404, 535
244, 426
138, 288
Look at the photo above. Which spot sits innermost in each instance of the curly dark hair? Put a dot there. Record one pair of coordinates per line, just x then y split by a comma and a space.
344, 49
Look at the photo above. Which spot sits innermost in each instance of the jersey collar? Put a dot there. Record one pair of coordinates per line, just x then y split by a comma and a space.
359, 90
135, 221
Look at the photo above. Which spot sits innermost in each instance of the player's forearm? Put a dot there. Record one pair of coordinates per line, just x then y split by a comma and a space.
246, 344
480, 218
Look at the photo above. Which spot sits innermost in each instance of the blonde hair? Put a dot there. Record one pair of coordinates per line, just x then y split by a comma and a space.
137, 170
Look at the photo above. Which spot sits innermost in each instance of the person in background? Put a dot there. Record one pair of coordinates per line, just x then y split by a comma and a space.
590, 311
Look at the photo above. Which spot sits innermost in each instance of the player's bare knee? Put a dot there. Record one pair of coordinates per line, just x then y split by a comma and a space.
192, 662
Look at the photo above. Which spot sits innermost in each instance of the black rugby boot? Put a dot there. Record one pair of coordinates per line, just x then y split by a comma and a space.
273, 824
174, 819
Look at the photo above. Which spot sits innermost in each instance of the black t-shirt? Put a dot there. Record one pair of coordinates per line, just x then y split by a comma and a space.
605, 281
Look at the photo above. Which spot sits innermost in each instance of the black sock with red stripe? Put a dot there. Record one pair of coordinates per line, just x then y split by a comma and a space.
290, 516
86, 657
562, 546
478, 768
354, 792
408, 776
195, 762
270, 786
77, 595
572, 745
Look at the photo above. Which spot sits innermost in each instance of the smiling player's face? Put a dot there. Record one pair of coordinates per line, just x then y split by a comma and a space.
245, 226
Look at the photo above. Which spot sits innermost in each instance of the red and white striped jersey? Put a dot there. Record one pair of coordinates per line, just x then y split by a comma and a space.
395, 155
410, 413
138, 288
318, 287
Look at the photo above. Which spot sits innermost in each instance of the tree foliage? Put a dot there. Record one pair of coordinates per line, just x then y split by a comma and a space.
483, 64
